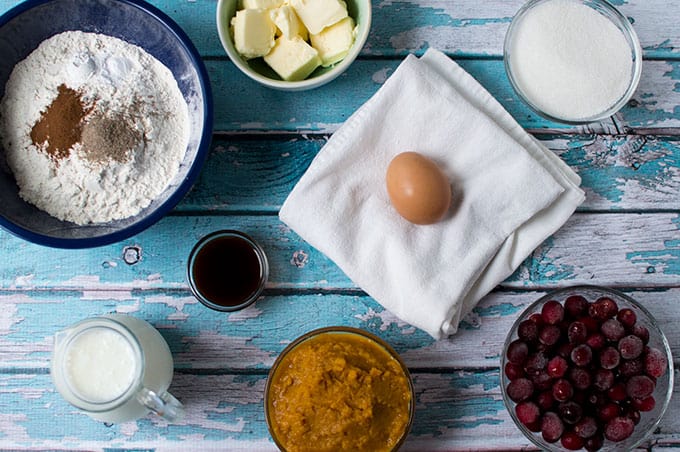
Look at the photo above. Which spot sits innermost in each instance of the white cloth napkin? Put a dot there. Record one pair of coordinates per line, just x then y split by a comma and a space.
510, 194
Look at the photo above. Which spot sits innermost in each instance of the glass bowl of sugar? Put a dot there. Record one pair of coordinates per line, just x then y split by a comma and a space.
572, 61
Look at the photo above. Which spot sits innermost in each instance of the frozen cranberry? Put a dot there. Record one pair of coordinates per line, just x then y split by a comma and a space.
518, 351
545, 400
591, 324
528, 331
608, 411
551, 427
603, 380
655, 362
552, 312
580, 378
581, 355
640, 331
627, 317
542, 381
557, 367
632, 367
577, 333
639, 386
536, 318
617, 392
562, 390
609, 358
596, 341
570, 412
613, 330
571, 441
603, 308
527, 412
520, 389
619, 429
646, 404
549, 334
535, 363
575, 306
586, 427
513, 371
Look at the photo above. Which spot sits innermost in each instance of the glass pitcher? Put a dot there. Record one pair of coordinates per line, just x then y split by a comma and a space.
115, 368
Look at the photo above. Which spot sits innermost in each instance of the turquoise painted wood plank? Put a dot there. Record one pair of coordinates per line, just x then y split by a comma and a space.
242, 105
460, 29
458, 411
249, 341
620, 173
604, 249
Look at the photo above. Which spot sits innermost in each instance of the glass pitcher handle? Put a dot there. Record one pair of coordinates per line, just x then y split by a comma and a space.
165, 404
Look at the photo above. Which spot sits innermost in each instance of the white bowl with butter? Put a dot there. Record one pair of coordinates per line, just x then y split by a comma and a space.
293, 45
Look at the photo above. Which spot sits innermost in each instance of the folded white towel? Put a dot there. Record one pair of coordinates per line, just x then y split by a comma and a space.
510, 194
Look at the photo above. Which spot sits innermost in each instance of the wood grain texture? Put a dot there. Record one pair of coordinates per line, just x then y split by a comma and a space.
626, 234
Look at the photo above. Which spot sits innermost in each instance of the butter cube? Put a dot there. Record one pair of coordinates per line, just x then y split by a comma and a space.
253, 32
334, 42
293, 59
288, 23
261, 4
319, 14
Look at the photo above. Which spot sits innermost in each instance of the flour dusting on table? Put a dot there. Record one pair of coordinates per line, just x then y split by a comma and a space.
94, 128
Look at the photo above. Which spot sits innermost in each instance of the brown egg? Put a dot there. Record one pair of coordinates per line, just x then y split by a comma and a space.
418, 188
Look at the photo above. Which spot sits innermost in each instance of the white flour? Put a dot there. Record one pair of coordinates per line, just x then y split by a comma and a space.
116, 78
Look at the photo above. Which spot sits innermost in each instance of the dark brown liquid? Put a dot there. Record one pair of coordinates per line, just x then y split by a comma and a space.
227, 271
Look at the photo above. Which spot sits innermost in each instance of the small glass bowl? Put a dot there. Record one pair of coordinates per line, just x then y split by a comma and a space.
619, 20
261, 276
317, 334
664, 384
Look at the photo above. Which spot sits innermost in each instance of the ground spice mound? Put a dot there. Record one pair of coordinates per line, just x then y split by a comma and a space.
60, 125
109, 137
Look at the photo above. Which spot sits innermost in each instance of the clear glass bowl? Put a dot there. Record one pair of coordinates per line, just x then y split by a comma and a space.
664, 385
615, 17
283, 363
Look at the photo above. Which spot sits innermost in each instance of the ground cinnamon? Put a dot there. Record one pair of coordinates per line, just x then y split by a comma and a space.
60, 125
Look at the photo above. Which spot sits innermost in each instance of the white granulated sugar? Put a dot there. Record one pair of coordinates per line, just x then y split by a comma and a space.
115, 77
569, 60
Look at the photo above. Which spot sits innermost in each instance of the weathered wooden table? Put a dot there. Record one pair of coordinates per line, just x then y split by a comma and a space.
626, 235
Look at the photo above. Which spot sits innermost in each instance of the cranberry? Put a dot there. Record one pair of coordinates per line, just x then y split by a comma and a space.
604, 379
549, 334
562, 390
528, 331
513, 371
613, 330
527, 413
551, 427
580, 378
646, 404
595, 442
518, 351
552, 312
576, 305
609, 358
586, 427
570, 412
619, 428
596, 341
639, 386
520, 389
655, 362
581, 355
627, 317
571, 441
557, 367
577, 332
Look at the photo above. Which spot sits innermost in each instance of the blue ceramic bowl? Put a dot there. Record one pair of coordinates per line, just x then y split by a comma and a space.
24, 27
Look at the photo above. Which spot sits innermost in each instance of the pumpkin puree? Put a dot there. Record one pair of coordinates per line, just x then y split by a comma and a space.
339, 391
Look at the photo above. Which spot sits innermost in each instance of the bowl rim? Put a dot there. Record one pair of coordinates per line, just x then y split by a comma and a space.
621, 22
186, 183
558, 294
301, 85
342, 330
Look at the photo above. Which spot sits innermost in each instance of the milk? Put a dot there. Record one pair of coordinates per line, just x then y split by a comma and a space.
115, 368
